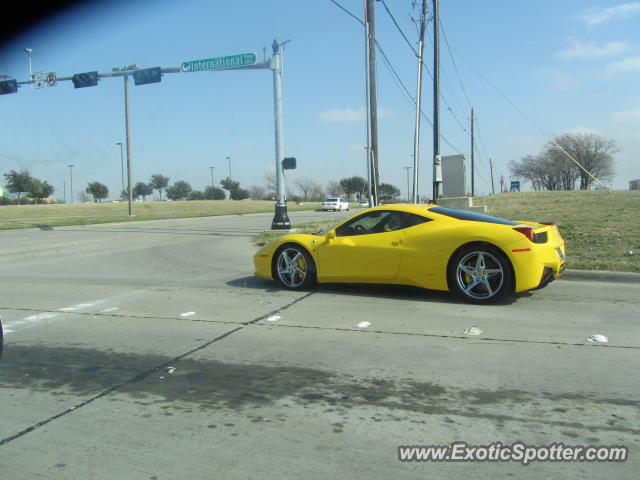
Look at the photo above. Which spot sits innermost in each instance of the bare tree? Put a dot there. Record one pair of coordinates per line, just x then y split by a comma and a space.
591, 150
308, 188
270, 181
334, 189
257, 192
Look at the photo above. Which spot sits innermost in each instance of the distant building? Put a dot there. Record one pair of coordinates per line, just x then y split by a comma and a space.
634, 184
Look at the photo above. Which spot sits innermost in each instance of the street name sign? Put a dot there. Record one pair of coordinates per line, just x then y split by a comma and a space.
219, 63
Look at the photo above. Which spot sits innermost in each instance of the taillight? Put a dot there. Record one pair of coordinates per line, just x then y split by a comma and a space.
526, 231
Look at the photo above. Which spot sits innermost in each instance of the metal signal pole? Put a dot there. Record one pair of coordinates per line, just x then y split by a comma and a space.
280, 218
416, 136
128, 135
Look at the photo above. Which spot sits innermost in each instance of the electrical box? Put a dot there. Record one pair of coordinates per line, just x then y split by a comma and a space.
453, 176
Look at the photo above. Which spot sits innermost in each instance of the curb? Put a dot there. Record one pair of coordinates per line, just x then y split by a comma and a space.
598, 276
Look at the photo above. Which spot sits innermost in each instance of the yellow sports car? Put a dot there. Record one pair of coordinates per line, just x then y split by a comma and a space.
478, 257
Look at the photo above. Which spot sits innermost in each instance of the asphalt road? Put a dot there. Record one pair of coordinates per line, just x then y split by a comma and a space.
149, 351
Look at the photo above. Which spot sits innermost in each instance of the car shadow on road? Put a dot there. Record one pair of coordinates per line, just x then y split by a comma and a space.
391, 292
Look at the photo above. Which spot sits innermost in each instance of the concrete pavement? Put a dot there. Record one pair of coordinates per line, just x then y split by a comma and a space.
148, 350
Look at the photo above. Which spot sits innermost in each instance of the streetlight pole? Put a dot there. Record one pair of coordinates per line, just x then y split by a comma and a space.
211, 168
408, 191
29, 52
71, 185
229, 160
121, 169
64, 191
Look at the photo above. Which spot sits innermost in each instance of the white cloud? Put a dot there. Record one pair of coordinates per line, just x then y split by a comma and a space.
580, 49
628, 117
628, 64
343, 115
346, 115
596, 16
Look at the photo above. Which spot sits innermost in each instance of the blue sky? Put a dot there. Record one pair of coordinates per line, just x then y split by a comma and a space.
567, 65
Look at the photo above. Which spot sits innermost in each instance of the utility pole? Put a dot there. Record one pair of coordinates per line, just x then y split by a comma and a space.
367, 148
281, 218
416, 136
437, 166
473, 166
493, 190
369, 19
409, 191
64, 190
229, 160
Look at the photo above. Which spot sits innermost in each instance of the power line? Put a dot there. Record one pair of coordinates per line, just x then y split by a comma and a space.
455, 67
347, 12
389, 65
384, 4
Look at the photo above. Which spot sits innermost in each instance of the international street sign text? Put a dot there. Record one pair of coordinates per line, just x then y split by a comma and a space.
219, 63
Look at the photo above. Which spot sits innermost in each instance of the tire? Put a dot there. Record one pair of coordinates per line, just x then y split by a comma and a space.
480, 274
293, 267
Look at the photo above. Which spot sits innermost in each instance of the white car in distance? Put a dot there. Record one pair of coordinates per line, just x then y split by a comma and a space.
335, 204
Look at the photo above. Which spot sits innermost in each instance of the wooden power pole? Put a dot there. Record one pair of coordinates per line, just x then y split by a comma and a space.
369, 18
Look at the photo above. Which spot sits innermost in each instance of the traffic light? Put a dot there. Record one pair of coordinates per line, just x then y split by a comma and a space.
289, 163
8, 86
82, 80
147, 75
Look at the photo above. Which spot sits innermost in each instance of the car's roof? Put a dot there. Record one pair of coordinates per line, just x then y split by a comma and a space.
406, 207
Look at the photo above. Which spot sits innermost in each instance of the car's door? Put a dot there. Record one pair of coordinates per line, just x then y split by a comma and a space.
368, 248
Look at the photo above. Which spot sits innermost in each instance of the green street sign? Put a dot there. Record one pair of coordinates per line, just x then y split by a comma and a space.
219, 63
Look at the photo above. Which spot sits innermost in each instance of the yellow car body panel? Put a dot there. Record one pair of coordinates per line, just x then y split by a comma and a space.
420, 255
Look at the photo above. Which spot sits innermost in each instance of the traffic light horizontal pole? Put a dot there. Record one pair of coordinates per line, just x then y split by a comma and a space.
263, 65
120, 73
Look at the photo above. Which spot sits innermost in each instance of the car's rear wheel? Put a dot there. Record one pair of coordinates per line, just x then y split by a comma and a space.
480, 274
294, 268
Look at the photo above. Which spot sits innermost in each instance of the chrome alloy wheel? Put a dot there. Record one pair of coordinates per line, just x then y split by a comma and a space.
292, 267
479, 275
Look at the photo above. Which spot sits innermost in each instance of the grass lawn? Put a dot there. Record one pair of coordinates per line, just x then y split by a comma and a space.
599, 227
57, 215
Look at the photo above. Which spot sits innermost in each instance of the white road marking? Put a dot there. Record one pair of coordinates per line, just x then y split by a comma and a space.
34, 320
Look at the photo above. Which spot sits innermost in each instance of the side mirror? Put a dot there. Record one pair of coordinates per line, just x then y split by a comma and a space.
331, 234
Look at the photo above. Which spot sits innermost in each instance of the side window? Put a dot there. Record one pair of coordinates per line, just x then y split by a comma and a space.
370, 222
414, 220
379, 221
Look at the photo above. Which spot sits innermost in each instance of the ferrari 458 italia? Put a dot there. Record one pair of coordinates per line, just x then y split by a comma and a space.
478, 257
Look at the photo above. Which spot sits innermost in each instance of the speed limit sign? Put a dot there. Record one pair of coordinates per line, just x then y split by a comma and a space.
52, 80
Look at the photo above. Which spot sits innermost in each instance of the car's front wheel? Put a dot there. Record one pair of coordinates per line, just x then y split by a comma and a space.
294, 268
480, 274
